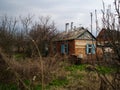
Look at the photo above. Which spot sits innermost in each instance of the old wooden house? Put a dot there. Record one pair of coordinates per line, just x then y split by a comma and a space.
108, 41
78, 42
107, 38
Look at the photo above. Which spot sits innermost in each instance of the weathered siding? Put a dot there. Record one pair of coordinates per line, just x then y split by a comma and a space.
58, 47
80, 48
71, 46
99, 52
76, 47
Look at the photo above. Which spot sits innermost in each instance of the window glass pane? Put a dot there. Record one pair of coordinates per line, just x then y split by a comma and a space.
90, 50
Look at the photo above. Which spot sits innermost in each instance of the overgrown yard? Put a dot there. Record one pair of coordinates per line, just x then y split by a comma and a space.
57, 75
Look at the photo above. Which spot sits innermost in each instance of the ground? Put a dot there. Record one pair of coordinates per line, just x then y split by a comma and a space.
58, 75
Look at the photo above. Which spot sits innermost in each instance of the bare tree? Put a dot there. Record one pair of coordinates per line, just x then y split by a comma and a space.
26, 40
7, 34
43, 34
110, 38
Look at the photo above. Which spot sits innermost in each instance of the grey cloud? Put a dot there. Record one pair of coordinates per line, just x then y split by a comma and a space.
60, 10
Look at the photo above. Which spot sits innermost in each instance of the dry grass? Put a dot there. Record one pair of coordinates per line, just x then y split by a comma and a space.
29, 69
56, 76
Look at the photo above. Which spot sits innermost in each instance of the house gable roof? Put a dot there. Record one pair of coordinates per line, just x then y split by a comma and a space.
108, 35
86, 35
78, 33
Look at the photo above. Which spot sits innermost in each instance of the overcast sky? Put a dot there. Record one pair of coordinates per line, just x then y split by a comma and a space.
61, 11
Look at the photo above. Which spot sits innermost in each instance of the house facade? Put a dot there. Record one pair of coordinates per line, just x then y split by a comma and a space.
108, 42
78, 42
106, 38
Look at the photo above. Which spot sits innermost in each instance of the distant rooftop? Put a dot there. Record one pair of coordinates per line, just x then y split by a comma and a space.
108, 35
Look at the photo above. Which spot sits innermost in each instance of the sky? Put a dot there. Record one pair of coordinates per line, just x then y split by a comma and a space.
60, 11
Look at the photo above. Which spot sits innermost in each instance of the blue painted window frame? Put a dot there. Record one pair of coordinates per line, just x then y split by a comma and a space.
90, 49
64, 48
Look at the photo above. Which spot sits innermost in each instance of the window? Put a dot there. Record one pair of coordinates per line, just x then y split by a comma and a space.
90, 49
64, 48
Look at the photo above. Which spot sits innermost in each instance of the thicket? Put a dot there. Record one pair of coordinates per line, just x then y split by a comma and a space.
18, 35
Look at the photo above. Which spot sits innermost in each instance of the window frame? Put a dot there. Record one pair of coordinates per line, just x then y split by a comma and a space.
64, 49
90, 49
